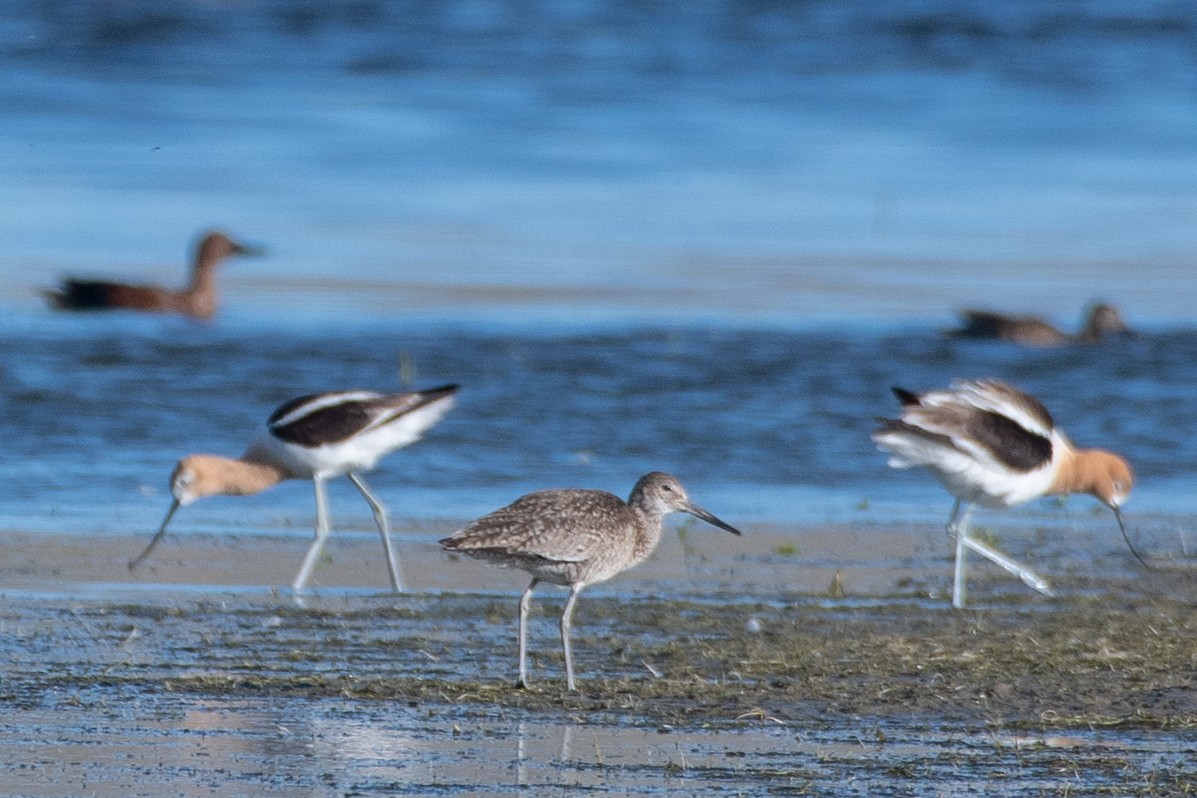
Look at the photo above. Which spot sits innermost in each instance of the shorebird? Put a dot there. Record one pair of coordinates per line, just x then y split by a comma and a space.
315, 437
1101, 321
197, 300
993, 445
575, 538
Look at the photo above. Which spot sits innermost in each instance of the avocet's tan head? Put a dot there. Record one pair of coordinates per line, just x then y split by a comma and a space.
195, 477
200, 475
1107, 476
189, 481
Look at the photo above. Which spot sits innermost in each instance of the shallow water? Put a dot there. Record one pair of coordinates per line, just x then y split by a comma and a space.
194, 747
762, 424
120, 694
707, 243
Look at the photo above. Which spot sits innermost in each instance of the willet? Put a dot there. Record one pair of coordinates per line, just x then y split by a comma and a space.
575, 538
197, 300
315, 437
991, 444
1101, 322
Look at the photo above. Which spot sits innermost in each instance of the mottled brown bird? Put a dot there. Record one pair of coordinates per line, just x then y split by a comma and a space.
575, 538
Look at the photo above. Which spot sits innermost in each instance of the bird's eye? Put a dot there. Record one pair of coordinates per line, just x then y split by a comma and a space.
667, 488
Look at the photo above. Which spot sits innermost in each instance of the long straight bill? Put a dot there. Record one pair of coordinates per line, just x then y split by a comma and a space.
1126, 537
133, 563
698, 512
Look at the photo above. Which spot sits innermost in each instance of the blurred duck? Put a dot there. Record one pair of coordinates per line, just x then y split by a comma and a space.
1101, 321
197, 300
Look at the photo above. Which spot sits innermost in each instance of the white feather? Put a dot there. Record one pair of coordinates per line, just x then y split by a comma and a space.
358, 453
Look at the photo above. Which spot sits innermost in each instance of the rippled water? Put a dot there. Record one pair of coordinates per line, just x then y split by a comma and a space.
704, 238
761, 423
278, 746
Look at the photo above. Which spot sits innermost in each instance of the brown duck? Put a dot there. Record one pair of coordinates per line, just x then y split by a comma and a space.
197, 300
1101, 322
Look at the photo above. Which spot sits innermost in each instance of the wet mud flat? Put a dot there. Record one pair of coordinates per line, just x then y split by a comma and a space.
183, 689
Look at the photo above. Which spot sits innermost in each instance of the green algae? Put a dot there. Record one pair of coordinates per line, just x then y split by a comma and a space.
1074, 663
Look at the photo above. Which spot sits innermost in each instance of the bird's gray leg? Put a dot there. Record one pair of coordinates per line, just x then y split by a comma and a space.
309, 560
1032, 579
952, 525
525, 603
567, 618
380, 518
958, 527
965, 543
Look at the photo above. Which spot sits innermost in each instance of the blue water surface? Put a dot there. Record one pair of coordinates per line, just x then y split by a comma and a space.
705, 237
762, 424
502, 142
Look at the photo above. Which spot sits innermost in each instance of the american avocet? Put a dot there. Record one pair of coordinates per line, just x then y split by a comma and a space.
991, 444
315, 437
197, 300
1101, 321
575, 538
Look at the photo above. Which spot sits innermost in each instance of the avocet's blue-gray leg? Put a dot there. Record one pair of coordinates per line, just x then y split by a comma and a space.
380, 518
958, 528
309, 560
1024, 573
525, 603
567, 616
964, 543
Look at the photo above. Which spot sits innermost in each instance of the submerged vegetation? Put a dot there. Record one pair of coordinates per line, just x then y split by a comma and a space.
1081, 663
804, 695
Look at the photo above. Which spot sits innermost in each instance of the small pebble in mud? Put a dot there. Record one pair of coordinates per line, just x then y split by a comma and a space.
753, 626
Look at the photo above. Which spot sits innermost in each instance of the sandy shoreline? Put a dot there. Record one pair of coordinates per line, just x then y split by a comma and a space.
353, 561
769, 560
